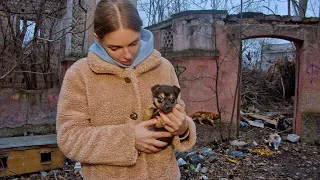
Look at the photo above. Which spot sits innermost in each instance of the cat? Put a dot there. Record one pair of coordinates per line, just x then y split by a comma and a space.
274, 139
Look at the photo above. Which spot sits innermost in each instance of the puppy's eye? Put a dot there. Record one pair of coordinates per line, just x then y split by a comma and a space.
160, 99
172, 100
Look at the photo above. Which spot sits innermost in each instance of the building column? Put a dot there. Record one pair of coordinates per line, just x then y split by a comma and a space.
67, 22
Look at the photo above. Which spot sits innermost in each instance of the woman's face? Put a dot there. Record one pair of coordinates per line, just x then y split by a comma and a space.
122, 45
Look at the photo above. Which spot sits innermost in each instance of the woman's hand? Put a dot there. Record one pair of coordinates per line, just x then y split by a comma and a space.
146, 140
176, 121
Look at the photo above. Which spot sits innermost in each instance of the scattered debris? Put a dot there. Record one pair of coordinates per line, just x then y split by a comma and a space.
254, 143
264, 118
204, 177
293, 137
208, 151
243, 123
236, 154
257, 124
232, 160
77, 166
238, 143
204, 170
194, 159
198, 167
264, 151
181, 162
214, 160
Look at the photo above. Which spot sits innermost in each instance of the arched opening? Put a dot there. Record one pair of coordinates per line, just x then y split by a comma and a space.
269, 82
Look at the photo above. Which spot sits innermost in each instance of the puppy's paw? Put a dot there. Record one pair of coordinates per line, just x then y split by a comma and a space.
160, 123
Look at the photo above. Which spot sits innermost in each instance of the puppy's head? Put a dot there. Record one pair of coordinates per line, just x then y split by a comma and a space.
165, 97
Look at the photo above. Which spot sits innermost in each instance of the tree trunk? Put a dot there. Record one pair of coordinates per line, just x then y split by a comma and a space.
303, 8
289, 8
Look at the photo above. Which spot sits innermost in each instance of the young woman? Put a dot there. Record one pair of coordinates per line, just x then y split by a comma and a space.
104, 96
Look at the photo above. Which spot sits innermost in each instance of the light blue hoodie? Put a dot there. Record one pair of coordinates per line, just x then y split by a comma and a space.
145, 49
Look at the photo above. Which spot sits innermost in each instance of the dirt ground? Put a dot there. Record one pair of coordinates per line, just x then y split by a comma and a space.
291, 161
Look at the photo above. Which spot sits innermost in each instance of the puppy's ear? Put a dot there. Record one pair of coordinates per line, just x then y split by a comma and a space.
155, 89
176, 90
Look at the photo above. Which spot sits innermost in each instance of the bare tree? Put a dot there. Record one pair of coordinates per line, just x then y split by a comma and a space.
33, 42
159, 10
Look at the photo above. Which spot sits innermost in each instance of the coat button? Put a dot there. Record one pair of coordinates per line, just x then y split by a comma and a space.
134, 116
127, 80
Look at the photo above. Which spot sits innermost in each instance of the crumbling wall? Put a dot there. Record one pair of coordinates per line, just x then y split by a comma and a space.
227, 34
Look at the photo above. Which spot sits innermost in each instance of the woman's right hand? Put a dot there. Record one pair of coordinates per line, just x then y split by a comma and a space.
146, 140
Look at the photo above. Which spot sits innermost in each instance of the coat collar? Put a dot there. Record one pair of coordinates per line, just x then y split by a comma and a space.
100, 66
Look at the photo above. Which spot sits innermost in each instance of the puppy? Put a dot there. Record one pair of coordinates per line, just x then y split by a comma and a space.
200, 116
164, 99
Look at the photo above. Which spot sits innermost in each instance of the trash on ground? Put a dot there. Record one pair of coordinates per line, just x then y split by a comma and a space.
204, 177
254, 143
198, 168
194, 158
256, 124
232, 160
181, 162
264, 151
212, 159
77, 166
243, 124
236, 154
264, 118
208, 151
238, 143
204, 170
192, 166
293, 137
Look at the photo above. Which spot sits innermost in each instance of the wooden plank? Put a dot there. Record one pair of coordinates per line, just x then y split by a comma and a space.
265, 118
253, 123
245, 118
26, 141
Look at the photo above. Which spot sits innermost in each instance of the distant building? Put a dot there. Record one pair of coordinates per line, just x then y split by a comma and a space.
273, 52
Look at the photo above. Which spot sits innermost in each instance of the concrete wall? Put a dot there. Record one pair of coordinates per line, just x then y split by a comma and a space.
27, 112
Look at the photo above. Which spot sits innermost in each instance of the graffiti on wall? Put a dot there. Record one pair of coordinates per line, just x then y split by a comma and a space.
313, 72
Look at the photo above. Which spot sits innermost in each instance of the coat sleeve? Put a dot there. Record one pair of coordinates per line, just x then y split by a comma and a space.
188, 142
79, 140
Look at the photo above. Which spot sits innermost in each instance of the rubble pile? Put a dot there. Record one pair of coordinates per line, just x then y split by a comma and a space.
269, 90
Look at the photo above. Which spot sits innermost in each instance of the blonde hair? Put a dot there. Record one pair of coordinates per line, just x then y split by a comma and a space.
111, 15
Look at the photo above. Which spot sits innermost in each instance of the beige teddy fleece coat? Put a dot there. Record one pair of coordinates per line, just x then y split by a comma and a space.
96, 117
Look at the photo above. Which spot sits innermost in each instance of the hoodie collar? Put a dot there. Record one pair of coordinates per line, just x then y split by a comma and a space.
145, 49
100, 66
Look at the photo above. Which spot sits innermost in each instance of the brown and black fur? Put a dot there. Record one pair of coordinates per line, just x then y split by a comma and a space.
200, 116
164, 99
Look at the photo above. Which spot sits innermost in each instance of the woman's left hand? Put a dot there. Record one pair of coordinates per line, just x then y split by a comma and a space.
176, 121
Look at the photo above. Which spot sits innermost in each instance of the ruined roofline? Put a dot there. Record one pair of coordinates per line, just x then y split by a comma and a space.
260, 17
198, 12
235, 18
167, 22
